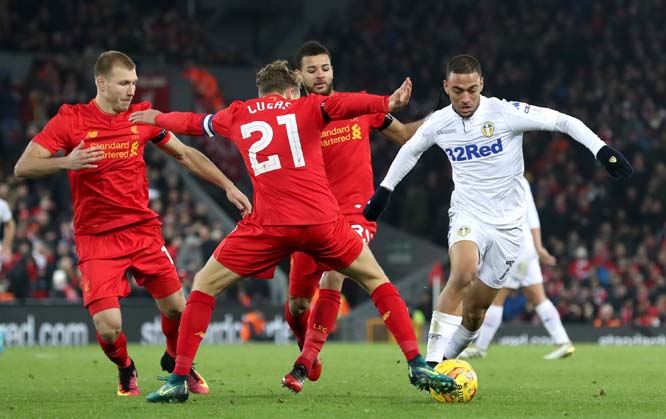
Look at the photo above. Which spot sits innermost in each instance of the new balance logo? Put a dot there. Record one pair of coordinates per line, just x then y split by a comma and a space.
472, 151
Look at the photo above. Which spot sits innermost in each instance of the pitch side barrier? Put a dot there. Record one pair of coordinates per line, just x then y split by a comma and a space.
59, 324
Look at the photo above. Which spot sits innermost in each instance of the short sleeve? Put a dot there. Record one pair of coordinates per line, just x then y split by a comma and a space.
380, 120
55, 135
160, 136
220, 123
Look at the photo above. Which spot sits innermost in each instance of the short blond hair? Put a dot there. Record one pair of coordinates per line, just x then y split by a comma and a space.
277, 77
109, 59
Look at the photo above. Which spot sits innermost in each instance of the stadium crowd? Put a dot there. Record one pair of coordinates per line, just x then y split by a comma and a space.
173, 31
596, 60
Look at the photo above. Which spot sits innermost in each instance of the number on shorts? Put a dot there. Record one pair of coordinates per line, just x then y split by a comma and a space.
166, 252
364, 233
273, 161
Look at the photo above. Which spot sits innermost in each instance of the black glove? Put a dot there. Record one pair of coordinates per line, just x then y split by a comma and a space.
616, 164
375, 206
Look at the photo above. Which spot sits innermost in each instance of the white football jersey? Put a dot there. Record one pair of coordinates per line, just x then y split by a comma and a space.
486, 155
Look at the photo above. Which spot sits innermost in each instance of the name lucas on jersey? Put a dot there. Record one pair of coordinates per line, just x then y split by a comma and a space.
262, 106
472, 151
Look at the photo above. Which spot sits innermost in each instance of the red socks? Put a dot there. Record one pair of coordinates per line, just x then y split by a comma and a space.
396, 318
170, 330
116, 351
322, 320
297, 324
193, 325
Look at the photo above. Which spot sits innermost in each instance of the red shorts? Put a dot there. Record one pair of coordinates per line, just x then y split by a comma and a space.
252, 250
105, 258
305, 272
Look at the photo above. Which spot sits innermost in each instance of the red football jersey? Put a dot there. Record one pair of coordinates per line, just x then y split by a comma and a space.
345, 146
279, 140
115, 194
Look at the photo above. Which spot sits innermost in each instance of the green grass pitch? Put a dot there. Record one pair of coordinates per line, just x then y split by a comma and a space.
358, 381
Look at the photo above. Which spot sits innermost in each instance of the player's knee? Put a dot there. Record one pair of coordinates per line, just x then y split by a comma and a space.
332, 282
174, 312
108, 331
473, 319
462, 279
298, 305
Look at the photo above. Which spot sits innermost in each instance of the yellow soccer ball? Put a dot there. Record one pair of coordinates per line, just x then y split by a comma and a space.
464, 375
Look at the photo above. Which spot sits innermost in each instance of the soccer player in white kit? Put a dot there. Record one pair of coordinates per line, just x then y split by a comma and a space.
526, 275
483, 139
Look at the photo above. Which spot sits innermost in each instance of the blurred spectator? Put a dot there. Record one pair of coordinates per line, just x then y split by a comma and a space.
253, 327
606, 317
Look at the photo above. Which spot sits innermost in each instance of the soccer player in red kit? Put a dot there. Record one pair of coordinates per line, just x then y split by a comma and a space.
114, 228
346, 151
278, 136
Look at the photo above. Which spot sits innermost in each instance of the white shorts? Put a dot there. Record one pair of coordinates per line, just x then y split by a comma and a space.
524, 273
498, 247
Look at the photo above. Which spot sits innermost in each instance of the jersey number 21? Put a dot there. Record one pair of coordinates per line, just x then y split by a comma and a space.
273, 161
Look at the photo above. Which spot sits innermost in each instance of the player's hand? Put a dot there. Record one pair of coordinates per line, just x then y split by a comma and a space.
375, 206
238, 198
83, 158
400, 98
616, 164
145, 117
545, 257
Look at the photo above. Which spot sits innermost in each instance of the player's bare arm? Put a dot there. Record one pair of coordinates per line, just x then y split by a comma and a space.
197, 163
9, 229
399, 132
544, 255
36, 161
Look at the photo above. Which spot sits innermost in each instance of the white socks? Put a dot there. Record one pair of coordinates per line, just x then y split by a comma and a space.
461, 340
442, 328
491, 323
552, 322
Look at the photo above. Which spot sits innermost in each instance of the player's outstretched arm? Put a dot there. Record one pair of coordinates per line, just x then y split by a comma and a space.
197, 163
36, 161
187, 123
351, 105
615, 163
403, 163
377, 203
400, 133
